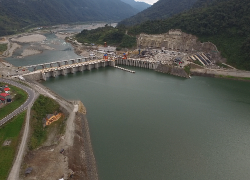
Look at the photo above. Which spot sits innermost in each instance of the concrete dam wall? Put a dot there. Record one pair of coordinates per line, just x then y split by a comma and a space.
66, 69
176, 71
138, 63
43, 74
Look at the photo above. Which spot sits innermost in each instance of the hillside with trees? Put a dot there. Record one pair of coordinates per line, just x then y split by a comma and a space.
162, 9
108, 34
16, 15
222, 22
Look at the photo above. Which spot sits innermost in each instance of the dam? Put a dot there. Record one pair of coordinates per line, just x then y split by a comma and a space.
57, 68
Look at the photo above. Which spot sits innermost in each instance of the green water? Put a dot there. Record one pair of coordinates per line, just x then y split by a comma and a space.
152, 126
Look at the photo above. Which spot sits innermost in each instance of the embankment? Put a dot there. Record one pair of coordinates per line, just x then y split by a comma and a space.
176, 71
222, 73
81, 156
78, 157
33, 76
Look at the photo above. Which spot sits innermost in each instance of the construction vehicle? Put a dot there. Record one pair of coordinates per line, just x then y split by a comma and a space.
124, 56
105, 56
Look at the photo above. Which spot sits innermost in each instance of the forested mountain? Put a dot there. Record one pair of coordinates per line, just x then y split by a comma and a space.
222, 22
111, 35
160, 10
137, 5
17, 14
205, 3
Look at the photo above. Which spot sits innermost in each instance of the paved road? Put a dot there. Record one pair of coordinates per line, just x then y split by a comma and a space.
31, 95
14, 173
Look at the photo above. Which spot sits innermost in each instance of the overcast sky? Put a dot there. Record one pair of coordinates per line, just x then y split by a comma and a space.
148, 1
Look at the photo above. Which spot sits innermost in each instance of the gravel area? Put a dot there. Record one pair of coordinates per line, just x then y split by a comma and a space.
11, 48
29, 52
30, 38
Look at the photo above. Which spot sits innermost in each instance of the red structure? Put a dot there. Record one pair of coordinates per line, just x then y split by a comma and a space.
5, 97
6, 89
124, 56
105, 57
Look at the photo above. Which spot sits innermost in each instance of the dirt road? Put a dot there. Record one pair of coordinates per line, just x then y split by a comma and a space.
223, 72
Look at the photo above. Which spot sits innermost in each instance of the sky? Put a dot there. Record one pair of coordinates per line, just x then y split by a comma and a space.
148, 1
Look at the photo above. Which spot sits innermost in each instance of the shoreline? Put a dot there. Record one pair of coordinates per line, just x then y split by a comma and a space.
232, 74
84, 164
76, 142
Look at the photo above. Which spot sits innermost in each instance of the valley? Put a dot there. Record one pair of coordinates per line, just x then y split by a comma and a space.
143, 91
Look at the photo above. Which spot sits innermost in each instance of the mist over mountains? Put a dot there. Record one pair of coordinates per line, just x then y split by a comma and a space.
137, 5
17, 14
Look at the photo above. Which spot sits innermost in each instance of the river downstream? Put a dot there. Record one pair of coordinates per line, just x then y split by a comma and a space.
150, 125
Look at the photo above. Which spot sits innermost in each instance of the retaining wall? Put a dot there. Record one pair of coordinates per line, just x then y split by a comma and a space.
176, 71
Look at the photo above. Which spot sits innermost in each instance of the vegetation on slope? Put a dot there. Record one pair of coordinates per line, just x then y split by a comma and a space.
108, 34
223, 22
42, 106
3, 47
160, 10
18, 100
10, 131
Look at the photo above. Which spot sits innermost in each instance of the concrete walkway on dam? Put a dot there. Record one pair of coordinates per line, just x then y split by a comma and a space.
45, 73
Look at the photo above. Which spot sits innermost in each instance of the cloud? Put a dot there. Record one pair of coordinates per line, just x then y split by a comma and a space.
148, 1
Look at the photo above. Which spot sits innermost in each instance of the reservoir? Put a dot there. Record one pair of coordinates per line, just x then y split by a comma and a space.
148, 125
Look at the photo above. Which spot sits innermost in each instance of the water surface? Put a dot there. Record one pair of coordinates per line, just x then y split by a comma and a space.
150, 125
62, 51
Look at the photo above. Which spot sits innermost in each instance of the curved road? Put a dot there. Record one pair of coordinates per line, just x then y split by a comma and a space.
31, 95
14, 173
